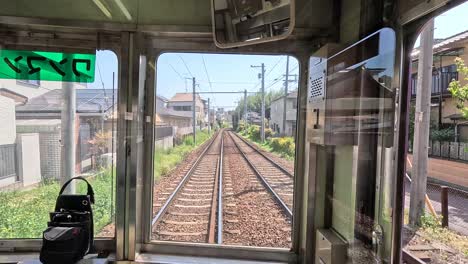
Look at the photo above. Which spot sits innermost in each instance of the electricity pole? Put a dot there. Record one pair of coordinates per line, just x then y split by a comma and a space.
262, 75
245, 106
421, 126
209, 123
193, 111
285, 95
68, 146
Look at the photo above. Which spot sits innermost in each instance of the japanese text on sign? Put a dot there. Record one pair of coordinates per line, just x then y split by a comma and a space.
47, 66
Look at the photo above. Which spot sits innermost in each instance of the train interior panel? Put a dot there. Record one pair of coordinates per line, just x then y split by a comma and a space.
212, 131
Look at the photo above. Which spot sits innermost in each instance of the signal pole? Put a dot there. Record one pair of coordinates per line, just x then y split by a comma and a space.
193, 111
262, 75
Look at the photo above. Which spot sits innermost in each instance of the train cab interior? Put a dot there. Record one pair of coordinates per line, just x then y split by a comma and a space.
346, 200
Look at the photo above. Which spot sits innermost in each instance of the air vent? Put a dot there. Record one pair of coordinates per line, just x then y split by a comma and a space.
316, 88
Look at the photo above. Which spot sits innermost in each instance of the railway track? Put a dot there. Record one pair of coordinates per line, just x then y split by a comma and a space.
276, 179
203, 205
191, 211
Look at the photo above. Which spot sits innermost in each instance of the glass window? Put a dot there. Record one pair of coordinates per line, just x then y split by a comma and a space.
350, 129
33, 152
232, 204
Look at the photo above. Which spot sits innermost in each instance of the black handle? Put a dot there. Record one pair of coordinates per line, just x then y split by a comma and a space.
90, 189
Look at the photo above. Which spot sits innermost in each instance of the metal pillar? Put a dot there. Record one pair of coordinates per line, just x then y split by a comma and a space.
68, 146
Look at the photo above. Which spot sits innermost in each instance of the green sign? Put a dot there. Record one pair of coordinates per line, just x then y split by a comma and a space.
47, 66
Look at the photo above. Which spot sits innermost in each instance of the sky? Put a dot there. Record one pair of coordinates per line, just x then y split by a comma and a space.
233, 72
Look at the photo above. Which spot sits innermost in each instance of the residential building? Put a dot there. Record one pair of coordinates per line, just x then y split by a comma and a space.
276, 114
444, 71
95, 112
183, 102
17, 167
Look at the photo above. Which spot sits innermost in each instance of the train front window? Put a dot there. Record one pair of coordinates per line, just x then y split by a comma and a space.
54, 128
224, 161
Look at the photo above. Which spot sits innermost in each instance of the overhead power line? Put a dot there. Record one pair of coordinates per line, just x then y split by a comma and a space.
182, 59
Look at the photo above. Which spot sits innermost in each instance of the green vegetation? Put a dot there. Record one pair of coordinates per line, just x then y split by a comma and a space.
432, 231
458, 91
166, 160
254, 101
283, 146
24, 214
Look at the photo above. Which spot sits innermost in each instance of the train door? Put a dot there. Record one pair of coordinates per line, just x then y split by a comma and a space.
349, 135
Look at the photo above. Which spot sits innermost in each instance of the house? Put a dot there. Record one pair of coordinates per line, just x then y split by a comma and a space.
180, 121
95, 113
276, 114
20, 149
443, 106
183, 102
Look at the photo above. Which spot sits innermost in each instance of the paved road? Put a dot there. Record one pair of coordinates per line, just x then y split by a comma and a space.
448, 171
458, 207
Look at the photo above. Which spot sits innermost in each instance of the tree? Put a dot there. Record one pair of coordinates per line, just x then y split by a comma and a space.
254, 102
458, 91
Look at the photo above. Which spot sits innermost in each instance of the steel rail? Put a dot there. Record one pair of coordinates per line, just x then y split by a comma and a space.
220, 194
214, 198
169, 200
266, 157
264, 181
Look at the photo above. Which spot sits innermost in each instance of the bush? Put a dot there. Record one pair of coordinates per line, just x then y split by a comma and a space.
283, 145
445, 134
253, 132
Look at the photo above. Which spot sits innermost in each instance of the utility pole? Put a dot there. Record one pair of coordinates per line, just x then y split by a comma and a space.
262, 76
245, 106
285, 95
193, 112
209, 117
421, 126
68, 145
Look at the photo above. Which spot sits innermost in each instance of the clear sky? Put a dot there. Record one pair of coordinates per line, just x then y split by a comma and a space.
233, 72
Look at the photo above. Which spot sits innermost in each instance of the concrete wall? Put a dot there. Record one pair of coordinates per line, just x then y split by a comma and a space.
49, 145
165, 143
28, 158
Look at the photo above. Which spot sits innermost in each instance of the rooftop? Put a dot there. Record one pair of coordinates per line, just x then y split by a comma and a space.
87, 101
184, 97
443, 45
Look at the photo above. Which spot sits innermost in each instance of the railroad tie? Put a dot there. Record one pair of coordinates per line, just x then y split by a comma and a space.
168, 233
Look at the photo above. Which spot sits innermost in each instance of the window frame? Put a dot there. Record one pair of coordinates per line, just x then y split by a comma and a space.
212, 250
61, 44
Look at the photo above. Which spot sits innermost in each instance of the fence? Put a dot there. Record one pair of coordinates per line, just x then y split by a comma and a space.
7, 160
449, 150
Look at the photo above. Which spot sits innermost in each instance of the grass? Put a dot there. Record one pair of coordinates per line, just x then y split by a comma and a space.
24, 214
432, 231
166, 160
267, 146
